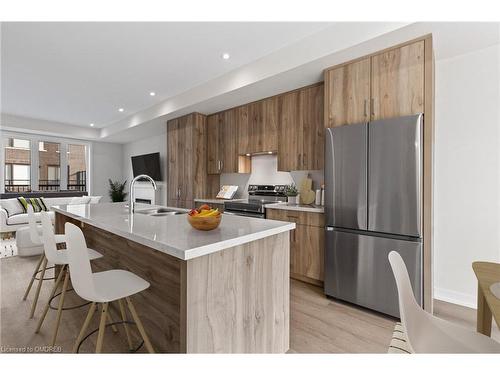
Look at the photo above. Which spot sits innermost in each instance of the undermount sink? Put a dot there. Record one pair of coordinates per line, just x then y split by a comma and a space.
159, 212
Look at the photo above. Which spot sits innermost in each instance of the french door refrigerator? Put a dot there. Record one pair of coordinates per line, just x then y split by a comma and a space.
373, 205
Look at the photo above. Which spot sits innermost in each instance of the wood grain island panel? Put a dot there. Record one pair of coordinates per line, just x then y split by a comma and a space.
231, 301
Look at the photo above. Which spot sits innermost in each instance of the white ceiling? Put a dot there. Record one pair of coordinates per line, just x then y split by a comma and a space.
81, 73
281, 65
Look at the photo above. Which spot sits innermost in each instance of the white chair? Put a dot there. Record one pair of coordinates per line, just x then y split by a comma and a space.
102, 287
427, 333
60, 258
41, 267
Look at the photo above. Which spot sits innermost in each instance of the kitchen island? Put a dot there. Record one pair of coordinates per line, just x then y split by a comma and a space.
222, 291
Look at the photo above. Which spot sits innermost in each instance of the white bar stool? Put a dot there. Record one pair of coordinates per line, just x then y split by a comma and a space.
41, 267
427, 333
58, 257
102, 287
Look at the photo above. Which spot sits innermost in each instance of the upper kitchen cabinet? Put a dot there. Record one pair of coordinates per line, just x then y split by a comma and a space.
313, 133
223, 140
290, 130
301, 129
187, 160
213, 144
261, 128
347, 94
397, 87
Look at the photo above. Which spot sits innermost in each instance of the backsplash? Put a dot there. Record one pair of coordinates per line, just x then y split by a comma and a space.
265, 171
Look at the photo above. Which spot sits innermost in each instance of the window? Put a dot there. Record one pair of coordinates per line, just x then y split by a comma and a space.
33, 163
49, 175
77, 170
17, 165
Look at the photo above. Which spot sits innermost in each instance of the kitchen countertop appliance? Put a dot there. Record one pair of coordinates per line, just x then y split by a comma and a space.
373, 205
258, 197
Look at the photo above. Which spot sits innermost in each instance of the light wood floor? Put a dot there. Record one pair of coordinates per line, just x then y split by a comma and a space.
317, 324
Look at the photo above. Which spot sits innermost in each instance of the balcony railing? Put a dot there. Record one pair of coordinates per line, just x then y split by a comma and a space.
77, 185
21, 186
17, 186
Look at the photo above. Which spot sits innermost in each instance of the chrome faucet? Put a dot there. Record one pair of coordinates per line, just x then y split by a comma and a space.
131, 206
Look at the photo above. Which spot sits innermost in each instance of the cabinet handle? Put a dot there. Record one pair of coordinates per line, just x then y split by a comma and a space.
221, 165
304, 163
366, 108
372, 106
178, 192
299, 160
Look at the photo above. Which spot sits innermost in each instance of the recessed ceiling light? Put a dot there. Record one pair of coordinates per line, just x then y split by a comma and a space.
248, 154
120, 109
225, 56
152, 93
92, 125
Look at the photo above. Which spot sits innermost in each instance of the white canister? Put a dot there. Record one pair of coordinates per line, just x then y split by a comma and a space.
317, 201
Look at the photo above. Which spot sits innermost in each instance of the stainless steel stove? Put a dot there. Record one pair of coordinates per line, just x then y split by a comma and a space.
258, 197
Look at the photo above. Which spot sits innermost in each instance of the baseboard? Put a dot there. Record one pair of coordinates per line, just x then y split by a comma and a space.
457, 298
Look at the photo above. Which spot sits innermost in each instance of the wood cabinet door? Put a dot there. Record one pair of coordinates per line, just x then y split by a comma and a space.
228, 141
309, 252
213, 142
255, 127
347, 94
290, 132
312, 128
196, 179
398, 82
244, 134
175, 156
268, 136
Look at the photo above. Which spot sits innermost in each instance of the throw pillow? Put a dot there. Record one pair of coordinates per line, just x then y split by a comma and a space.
79, 200
24, 203
12, 206
95, 199
36, 204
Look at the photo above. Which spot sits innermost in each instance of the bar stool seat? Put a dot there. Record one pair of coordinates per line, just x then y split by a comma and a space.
103, 288
117, 284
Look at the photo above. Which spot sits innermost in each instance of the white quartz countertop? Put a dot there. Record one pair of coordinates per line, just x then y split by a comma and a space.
216, 201
296, 207
173, 234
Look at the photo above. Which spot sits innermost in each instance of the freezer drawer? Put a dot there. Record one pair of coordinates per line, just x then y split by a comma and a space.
395, 176
346, 176
357, 269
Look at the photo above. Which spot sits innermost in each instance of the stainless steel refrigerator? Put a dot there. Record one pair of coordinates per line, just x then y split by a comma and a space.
373, 205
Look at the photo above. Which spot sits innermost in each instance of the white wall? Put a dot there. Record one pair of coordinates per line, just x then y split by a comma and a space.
265, 171
106, 159
467, 170
148, 146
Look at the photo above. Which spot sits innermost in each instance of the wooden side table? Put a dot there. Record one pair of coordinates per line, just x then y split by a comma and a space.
488, 305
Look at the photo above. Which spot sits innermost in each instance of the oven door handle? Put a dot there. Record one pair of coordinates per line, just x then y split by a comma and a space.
247, 214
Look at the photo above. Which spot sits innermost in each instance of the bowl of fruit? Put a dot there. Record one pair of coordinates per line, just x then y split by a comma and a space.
204, 217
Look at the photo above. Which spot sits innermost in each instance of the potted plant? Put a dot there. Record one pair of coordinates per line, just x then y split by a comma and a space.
292, 192
117, 191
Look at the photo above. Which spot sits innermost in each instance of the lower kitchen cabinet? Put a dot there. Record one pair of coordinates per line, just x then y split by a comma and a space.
307, 243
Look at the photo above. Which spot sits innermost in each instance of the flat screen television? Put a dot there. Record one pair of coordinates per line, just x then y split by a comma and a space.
147, 164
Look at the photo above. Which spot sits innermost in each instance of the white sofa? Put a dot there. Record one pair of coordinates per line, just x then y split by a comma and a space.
14, 222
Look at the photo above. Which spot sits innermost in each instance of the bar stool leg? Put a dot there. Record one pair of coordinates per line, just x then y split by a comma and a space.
139, 326
125, 326
85, 325
102, 327
110, 320
47, 305
61, 304
37, 294
33, 277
